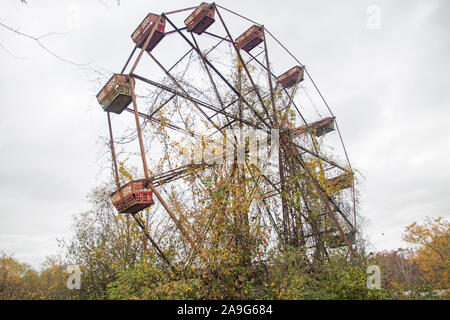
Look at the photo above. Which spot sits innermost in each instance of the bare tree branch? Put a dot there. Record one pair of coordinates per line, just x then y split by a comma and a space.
10, 53
104, 4
37, 40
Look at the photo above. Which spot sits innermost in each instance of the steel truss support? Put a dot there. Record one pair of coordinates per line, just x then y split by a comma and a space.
326, 202
142, 225
244, 66
218, 72
116, 174
184, 233
192, 99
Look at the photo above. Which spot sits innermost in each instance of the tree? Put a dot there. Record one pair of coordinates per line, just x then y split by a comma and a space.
104, 243
11, 278
21, 281
433, 253
399, 272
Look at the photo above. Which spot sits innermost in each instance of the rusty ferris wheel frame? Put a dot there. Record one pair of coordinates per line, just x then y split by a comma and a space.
288, 149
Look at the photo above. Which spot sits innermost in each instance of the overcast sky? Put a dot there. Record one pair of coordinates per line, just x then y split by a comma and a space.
383, 67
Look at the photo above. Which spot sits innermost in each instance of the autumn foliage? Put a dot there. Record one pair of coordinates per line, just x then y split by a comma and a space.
117, 263
432, 255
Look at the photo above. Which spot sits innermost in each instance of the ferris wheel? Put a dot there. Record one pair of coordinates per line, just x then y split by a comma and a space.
206, 74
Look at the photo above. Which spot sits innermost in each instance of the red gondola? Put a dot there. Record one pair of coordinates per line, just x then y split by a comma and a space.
291, 77
250, 38
201, 18
146, 27
132, 197
115, 96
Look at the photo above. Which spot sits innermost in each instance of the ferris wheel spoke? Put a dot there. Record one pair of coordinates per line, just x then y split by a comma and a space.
318, 156
164, 122
269, 79
326, 198
189, 98
179, 60
234, 101
291, 96
177, 83
245, 67
129, 59
205, 66
219, 73
162, 105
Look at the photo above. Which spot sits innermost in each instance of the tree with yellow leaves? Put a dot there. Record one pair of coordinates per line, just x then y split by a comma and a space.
433, 252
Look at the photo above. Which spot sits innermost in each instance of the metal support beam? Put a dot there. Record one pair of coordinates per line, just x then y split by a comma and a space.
162, 105
144, 162
327, 206
244, 66
194, 100
144, 47
141, 224
218, 73
113, 152
138, 127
